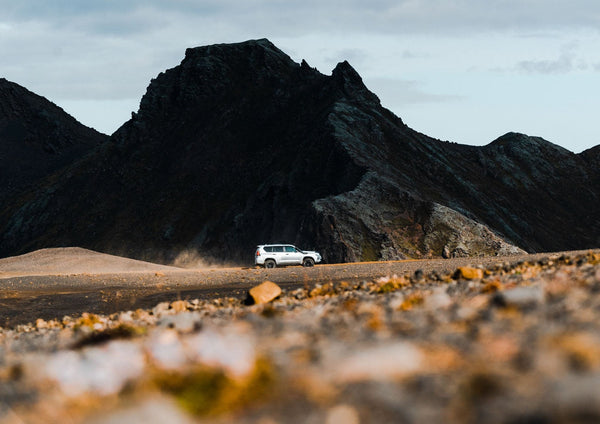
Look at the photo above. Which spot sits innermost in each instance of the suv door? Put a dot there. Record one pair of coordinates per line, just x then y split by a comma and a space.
278, 254
292, 256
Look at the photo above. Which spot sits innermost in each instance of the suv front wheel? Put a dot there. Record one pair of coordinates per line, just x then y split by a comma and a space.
308, 262
270, 263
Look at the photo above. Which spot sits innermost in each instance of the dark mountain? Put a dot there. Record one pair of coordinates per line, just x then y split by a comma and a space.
239, 145
36, 139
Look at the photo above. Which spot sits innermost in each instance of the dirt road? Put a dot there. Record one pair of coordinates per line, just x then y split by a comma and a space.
54, 294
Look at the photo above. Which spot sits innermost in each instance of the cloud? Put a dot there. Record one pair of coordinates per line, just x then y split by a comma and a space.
562, 65
294, 17
567, 61
397, 93
354, 56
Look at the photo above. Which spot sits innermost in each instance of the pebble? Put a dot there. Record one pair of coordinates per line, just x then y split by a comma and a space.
233, 351
184, 322
378, 363
156, 410
161, 308
574, 397
125, 316
166, 350
342, 414
439, 299
102, 370
180, 306
468, 273
520, 297
264, 293
41, 324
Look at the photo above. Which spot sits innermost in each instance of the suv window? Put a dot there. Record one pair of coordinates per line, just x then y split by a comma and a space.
289, 249
278, 249
268, 248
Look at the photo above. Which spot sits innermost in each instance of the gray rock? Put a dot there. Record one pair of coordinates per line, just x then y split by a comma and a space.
576, 396
185, 322
439, 299
156, 410
102, 370
520, 297
380, 363
159, 309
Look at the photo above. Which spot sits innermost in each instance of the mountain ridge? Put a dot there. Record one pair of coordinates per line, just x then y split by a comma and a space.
239, 145
37, 138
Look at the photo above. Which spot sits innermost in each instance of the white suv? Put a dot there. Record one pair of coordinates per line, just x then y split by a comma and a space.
272, 255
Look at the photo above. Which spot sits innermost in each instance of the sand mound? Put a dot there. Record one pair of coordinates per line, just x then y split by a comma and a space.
72, 260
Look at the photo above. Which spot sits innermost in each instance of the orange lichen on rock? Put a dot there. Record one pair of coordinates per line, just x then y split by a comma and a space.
468, 273
265, 292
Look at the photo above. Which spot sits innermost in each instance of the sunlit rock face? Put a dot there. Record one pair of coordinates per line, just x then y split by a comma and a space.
239, 145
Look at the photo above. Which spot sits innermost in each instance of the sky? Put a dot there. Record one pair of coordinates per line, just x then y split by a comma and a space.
466, 71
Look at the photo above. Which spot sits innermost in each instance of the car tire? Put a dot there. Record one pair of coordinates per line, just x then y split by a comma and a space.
270, 263
308, 262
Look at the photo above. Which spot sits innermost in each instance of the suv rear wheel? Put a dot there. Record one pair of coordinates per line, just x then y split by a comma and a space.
308, 262
270, 263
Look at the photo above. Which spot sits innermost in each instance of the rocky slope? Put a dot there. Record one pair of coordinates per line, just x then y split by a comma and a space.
36, 139
240, 145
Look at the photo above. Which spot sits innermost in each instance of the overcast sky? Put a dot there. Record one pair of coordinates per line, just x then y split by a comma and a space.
466, 71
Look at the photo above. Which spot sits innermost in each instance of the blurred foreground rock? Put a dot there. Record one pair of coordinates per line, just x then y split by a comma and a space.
264, 293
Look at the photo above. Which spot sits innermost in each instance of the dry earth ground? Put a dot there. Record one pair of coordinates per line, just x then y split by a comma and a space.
51, 283
505, 340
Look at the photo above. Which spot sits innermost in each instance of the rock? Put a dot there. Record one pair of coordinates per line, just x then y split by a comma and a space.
160, 308
41, 324
166, 350
342, 414
472, 307
446, 252
232, 350
264, 293
156, 410
468, 273
380, 363
439, 299
575, 397
185, 322
520, 297
180, 306
126, 316
102, 370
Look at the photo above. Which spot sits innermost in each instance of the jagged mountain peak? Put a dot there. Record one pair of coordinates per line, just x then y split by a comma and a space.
345, 70
37, 138
14, 98
519, 141
261, 50
592, 153
210, 78
352, 83
4, 83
